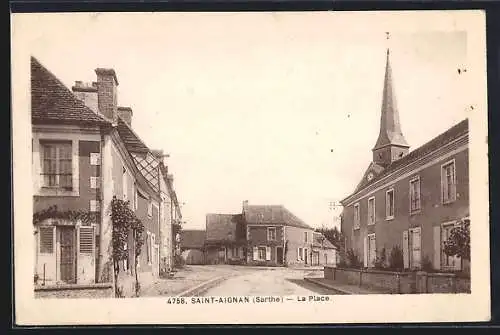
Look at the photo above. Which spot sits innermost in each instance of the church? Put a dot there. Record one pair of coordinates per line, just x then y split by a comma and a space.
409, 200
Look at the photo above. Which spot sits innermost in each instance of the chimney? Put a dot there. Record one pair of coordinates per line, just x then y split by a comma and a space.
125, 113
106, 92
245, 204
87, 93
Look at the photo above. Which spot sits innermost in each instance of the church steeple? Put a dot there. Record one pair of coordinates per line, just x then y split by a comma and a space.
391, 144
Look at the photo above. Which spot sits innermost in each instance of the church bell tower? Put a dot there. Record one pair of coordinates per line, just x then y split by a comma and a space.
391, 144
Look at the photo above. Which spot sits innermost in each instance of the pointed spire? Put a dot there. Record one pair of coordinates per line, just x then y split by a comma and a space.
390, 128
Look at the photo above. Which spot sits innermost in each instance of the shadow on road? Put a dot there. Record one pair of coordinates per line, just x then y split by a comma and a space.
312, 287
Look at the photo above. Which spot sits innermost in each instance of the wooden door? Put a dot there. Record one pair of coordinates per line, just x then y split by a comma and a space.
67, 248
279, 255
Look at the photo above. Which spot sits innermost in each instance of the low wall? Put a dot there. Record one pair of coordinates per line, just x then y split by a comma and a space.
400, 282
104, 290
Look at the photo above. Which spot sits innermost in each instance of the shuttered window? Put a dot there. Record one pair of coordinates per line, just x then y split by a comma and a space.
46, 240
86, 240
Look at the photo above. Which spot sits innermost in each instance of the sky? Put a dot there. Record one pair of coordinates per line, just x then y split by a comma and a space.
273, 108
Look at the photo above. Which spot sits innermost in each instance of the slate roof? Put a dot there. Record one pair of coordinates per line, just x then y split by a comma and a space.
272, 214
53, 103
192, 239
317, 242
224, 227
140, 153
444, 138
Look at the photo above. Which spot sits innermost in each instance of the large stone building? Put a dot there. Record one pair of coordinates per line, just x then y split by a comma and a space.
409, 199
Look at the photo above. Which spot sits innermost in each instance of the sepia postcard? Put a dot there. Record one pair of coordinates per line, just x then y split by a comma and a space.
250, 167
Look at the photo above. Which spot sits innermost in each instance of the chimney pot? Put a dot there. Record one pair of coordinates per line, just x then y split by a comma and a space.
125, 113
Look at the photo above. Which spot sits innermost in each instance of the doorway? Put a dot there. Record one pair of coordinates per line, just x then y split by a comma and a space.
279, 255
67, 252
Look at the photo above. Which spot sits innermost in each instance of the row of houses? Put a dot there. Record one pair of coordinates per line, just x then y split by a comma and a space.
409, 199
259, 235
84, 153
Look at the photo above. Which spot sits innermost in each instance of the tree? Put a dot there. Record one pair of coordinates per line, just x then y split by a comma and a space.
333, 235
458, 243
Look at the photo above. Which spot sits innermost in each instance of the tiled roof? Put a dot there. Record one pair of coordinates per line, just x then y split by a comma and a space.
444, 138
142, 156
54, 103
224, 227
192, 239
321, 241
272, 214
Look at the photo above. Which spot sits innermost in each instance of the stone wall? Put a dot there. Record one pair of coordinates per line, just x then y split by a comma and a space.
75, 291
400, 282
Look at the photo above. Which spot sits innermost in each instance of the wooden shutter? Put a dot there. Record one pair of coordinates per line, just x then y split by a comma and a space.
255, 253
365, 252
406, 258
437, 247
298, 254
86, 255
268, 253
46, 261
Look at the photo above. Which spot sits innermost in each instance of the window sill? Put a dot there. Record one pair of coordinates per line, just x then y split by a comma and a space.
389, 218
447, 202
56, 192
371, 224
415, 211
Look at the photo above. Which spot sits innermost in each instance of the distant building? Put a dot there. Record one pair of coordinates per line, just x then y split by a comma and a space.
323, 251
409, 200
275, 236
192, 246
225, 239
260, 235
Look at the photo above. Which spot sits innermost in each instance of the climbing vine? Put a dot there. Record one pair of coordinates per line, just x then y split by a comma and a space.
125, 222
52, 212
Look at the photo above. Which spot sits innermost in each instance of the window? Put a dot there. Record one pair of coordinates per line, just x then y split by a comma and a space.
371, 211
414, 195
235, 252
150, 208
135, 198
371, 250
305, 237
124, 185
448, 185
148, 247
57, 165
356, 216
389, 204
300, 254
262, 253
271, 234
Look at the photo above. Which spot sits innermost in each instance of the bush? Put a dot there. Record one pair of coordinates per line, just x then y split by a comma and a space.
353, 259
396, 261
427, 264
381, 260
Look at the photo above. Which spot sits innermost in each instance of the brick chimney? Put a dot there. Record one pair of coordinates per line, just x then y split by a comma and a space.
126, 114
107, 84
87, 93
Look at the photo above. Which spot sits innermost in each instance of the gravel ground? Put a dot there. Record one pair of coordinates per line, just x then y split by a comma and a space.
279, 282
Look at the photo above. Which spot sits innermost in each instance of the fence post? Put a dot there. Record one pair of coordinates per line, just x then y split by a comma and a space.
399, 283
334, 273
454, 283
44, 274
360, 276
